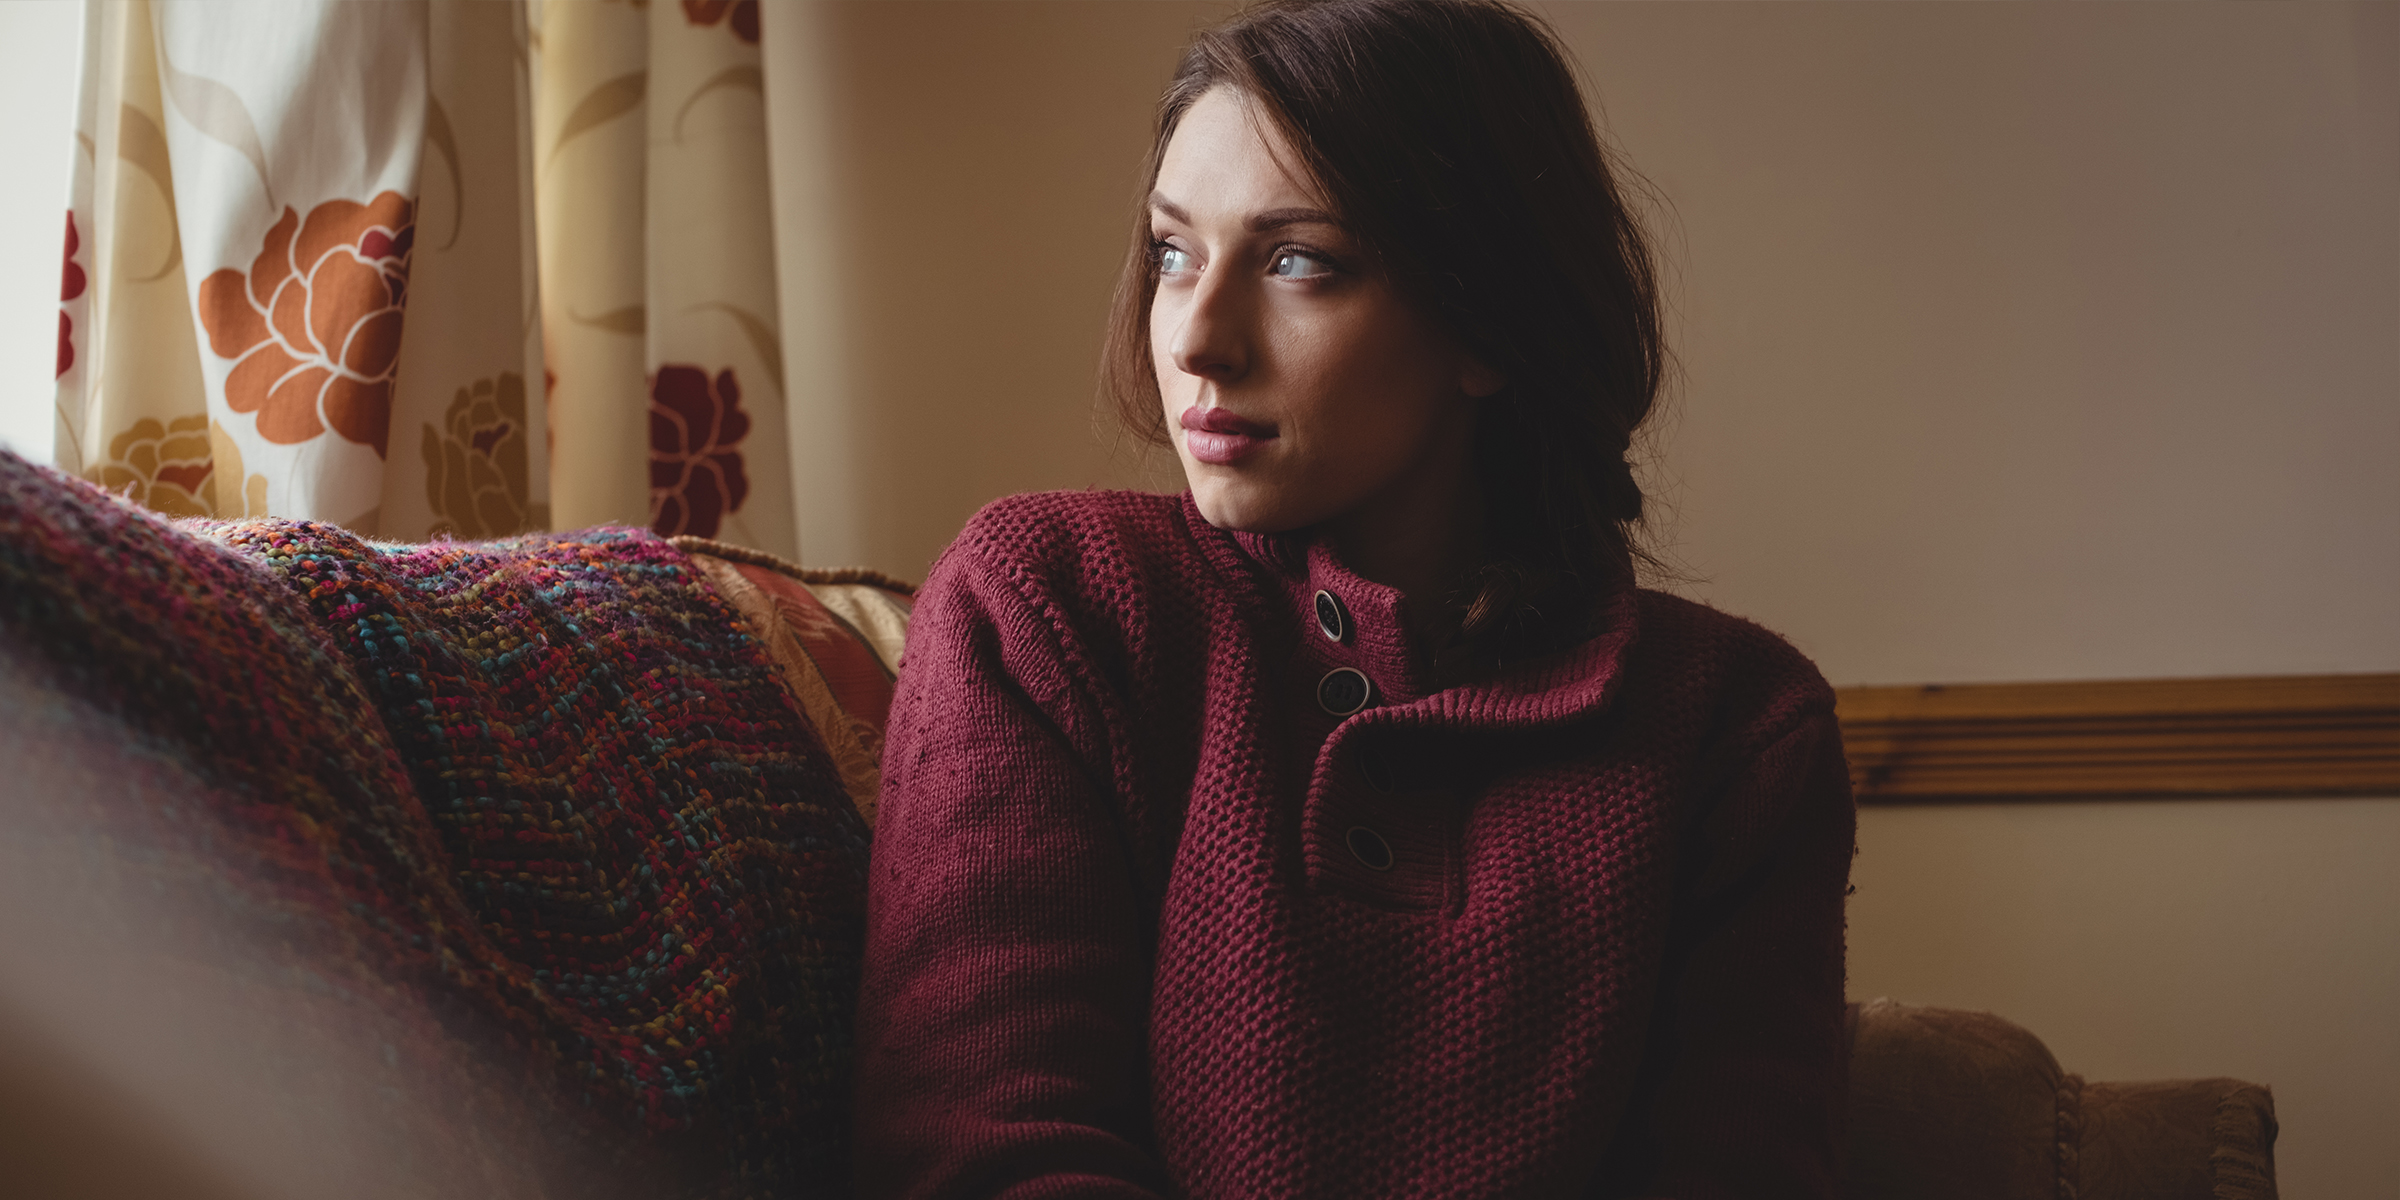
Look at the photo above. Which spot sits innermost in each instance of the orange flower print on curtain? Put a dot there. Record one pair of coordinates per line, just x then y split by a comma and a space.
696, 430
70, 285
744, 14
315, 328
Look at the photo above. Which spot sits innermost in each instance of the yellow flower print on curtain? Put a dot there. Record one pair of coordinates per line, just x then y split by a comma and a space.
129, 365
475, 463
188, 467
165, 468
474, 311
233, 492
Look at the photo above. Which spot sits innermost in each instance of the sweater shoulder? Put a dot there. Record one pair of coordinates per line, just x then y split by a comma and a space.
1751, 681
1067, 541
1112, 574
1699, 629
1048, 515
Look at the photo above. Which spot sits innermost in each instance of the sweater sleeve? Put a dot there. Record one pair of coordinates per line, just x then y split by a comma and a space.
1003, 1012
1745, 1080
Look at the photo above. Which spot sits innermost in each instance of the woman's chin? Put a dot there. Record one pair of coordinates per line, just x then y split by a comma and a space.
1246, 507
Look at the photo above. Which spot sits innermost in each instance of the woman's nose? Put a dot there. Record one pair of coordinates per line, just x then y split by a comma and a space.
1213, 342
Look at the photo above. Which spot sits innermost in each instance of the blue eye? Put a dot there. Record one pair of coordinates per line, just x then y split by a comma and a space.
1292, 264
1173, 261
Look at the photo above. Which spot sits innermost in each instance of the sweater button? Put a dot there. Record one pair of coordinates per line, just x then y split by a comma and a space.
1332, 619
1344, 690
1369, 848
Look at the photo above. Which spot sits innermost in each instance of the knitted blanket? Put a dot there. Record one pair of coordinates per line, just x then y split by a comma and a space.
536, 808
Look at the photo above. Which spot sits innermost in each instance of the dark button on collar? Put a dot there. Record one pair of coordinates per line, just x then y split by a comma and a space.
1344, 690
1332, 619
1370, 848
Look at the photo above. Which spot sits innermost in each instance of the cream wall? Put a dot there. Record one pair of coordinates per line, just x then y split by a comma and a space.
2031, 341
2051, 342
39, 41
2021, 341
955, 184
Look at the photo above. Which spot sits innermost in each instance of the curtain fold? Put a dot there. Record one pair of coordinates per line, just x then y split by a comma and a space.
427, 267
470, 428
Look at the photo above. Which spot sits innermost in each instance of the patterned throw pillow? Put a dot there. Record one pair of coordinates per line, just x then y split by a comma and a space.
835, 637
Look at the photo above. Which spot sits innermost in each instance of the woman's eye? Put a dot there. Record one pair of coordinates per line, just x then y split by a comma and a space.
1292, 264
1173, 261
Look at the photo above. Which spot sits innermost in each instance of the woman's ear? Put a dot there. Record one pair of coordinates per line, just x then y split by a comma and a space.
1478, 380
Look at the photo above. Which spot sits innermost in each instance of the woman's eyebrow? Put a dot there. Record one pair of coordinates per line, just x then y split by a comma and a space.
1273, 218
1277, 218
1173, 211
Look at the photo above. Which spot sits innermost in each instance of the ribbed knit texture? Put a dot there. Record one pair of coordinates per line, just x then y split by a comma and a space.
1120, 943
547, 788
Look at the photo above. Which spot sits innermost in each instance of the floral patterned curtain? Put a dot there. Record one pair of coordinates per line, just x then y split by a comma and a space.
427, 267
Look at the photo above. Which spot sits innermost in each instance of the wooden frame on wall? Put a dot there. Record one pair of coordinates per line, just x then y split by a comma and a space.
2283, 735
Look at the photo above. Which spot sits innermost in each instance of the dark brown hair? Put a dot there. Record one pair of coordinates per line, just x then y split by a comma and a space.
1451, 139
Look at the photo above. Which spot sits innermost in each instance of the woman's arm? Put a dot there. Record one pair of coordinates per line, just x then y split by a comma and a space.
1003, 1016
1744, 1083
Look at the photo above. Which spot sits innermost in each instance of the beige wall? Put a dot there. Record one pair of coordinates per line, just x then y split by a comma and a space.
2023, 341
38, 43
2051, 342
956, 183
2031, 341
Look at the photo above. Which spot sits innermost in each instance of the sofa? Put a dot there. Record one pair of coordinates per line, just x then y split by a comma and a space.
533, 868
1966, 1106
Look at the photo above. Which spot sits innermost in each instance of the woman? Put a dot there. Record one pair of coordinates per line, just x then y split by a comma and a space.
1352, 824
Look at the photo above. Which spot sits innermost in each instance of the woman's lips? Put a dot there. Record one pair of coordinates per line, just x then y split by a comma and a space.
1218, 437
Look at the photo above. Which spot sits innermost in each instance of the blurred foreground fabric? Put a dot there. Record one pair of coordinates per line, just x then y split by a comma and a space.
478, 868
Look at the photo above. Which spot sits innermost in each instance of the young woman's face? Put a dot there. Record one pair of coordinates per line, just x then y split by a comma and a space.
1299, 388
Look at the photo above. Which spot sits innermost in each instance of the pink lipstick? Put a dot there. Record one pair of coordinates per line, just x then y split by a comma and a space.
1216, 436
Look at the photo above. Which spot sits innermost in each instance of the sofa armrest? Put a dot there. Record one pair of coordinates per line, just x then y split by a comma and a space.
1968, 1106
1962, 1105
2211, 1139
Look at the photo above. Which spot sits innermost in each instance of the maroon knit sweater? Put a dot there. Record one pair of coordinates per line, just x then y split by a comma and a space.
1145, 919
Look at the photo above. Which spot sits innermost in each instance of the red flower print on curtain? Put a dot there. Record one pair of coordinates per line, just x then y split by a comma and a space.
70, 285
315, 328
709, 12
696, 430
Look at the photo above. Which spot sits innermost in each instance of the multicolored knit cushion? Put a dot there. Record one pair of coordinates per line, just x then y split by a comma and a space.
548, 788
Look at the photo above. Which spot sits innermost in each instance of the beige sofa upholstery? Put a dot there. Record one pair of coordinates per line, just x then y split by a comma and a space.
1966, 1106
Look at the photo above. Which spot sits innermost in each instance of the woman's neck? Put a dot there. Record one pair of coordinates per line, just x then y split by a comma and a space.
1422, 536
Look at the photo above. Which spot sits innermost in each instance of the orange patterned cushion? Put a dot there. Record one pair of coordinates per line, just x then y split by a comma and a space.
835, 637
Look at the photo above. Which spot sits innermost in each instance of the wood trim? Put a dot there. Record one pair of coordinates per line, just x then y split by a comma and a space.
2278, 735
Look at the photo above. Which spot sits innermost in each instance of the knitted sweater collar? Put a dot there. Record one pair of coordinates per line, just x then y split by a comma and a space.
1538, 691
